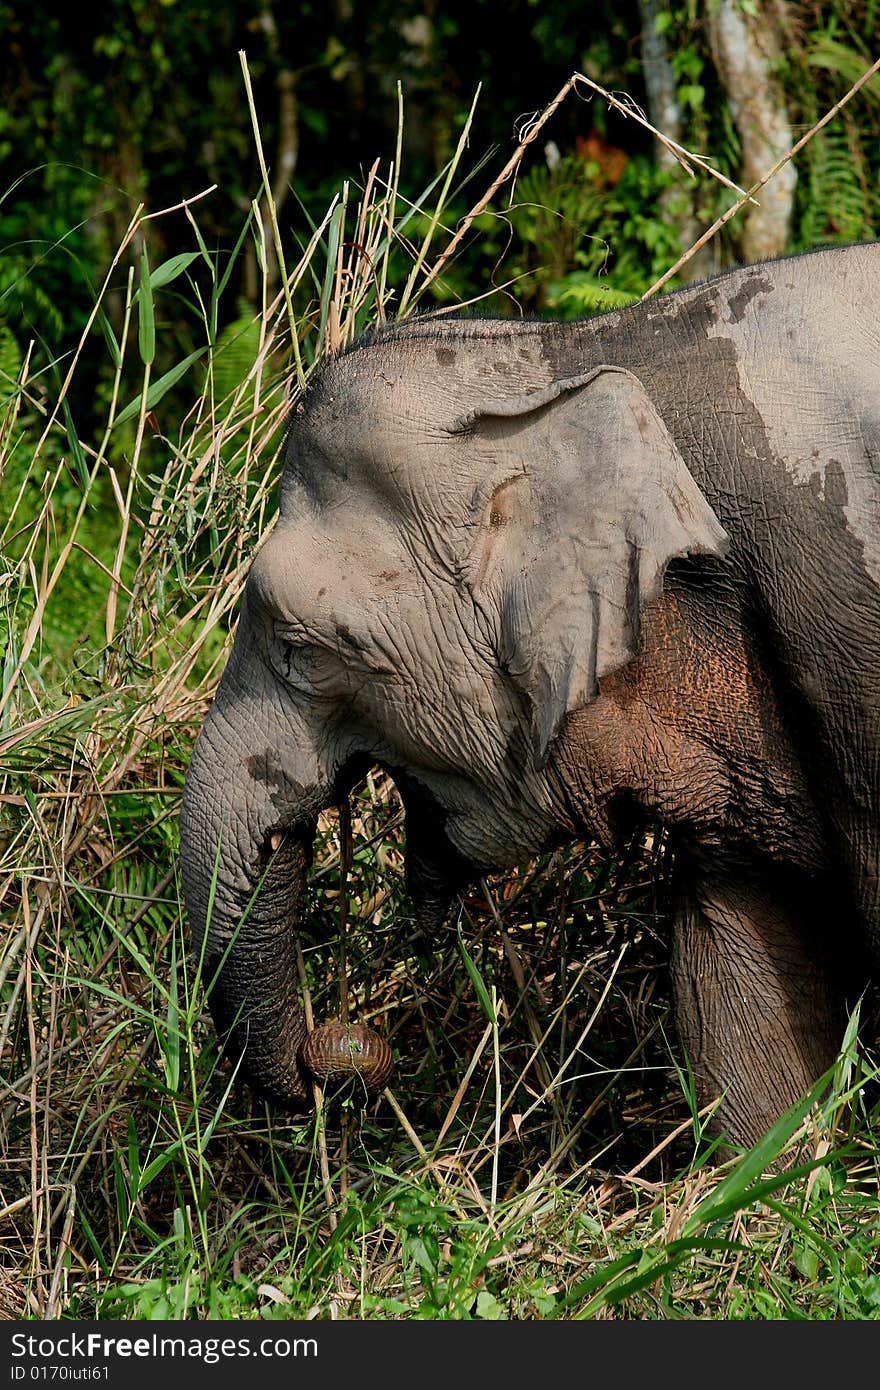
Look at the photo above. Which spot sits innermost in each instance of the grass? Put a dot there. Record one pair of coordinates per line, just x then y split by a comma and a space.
540, 1153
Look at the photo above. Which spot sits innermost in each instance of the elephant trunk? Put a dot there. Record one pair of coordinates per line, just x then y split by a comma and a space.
249, 970
244, 934
247, 826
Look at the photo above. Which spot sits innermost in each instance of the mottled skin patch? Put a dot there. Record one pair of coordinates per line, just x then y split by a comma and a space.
836, 492
739, 301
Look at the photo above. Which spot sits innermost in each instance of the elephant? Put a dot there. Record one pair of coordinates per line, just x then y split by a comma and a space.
559, 579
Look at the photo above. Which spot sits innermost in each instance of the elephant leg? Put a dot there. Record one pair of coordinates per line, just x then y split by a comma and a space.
758, 1006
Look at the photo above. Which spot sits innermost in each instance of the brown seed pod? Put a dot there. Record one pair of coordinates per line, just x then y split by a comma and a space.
334, 1051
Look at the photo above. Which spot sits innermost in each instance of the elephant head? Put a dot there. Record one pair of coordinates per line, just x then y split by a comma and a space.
464, 547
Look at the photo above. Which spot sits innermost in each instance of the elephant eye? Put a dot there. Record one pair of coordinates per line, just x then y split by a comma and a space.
298, 663
328, 667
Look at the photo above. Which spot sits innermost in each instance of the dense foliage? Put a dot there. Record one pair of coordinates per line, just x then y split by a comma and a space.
142, 102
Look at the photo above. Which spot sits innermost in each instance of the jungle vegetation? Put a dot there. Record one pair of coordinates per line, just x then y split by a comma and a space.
197, 203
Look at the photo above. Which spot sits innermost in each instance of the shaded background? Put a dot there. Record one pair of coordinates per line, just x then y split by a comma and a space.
142, 101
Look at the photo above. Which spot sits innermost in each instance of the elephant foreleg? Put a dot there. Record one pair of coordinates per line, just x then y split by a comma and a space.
758, 1006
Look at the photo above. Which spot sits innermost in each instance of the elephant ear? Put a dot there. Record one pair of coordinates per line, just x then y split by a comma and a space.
576, 538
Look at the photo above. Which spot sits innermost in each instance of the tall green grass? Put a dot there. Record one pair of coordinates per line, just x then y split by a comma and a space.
540, 1154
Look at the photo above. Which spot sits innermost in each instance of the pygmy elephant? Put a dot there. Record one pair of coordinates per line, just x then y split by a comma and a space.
555, 578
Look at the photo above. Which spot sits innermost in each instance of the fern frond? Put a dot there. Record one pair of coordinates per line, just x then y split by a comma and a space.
841, 201
844, 61
582, 293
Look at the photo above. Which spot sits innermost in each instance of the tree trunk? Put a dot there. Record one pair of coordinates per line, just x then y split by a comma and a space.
665, 114
745, 49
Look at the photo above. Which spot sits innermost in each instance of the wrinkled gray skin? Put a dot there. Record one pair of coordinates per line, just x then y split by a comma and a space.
555, 578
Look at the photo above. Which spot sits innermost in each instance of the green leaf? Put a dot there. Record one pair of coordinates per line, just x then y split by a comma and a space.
159, 1164
604, 1275
134, 1157
477, 981
543, 1299
10, 357
333, 236
488, 1307
653, 1265
76, 448
422, 1256
845, 62
735, 1191
871, 1291
110, 337
235, 353
233, 255
169, 270
806, 1258
158, 388
692, 94
172, 1047
146, 320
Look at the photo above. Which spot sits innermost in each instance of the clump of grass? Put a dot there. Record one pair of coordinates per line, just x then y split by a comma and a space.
539, 1154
